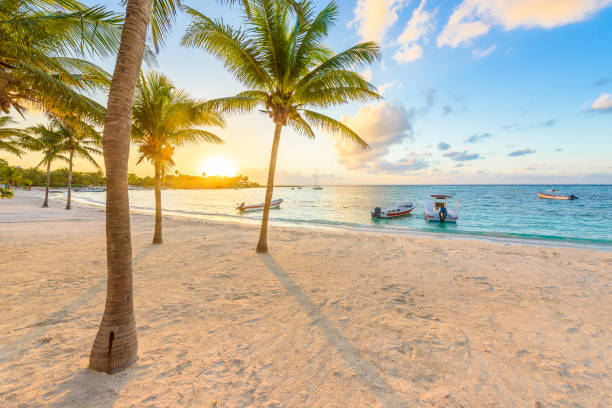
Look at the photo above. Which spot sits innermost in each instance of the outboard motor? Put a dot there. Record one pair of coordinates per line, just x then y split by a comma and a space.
573, 197
377, 211
442, 214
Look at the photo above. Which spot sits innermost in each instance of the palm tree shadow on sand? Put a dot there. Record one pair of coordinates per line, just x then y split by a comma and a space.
366, 373
87, 388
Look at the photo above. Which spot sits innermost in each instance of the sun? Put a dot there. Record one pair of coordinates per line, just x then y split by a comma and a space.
219, 166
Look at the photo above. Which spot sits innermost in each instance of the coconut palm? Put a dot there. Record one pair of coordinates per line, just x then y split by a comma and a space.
286, 69
116, 344
43, 43
51, 143
73, 137
165, 118
11, 139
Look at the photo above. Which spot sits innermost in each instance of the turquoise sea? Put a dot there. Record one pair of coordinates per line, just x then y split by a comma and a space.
495, 211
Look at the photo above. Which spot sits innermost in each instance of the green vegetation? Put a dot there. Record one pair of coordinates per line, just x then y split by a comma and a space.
286, 69
183, 181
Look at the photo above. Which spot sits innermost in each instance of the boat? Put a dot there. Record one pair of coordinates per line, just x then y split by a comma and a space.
557, 196
315, 185
436, 209
395, 211
258, 207
91, 189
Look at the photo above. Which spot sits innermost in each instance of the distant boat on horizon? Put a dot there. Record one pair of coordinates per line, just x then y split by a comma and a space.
315, 185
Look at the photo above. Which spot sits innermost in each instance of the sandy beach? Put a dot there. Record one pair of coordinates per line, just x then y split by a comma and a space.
327, 319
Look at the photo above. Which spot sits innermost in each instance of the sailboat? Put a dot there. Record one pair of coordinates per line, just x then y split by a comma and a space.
315, 185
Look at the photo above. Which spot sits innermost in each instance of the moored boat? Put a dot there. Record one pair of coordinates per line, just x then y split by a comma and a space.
258, 207
557, 196
436, 209
392, 212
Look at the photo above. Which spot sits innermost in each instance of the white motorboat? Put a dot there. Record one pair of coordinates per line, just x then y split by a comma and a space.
553, 196
436, 209
258, 207
392, 212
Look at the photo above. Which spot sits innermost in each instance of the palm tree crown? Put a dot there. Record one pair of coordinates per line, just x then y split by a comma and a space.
165, 118
286, 67
42, 44
12, 140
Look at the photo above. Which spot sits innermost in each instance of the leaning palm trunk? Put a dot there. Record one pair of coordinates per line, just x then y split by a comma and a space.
116, 345
157, 237
69, 179
46, 202
262, 244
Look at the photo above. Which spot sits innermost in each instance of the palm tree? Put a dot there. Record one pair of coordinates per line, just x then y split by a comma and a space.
11, 139
286, 68
74, 137
116, 344
50, 143
165, 118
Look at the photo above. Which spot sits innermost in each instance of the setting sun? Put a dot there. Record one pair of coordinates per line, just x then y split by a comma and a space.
219, 166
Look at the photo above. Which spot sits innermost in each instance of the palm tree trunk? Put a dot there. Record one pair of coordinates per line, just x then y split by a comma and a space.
262, 244
69, 179
116, 344
46, 202
157, 237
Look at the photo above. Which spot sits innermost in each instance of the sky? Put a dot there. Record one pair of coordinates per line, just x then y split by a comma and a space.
475, 91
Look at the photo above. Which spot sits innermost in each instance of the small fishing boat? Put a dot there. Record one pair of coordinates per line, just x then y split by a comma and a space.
392, 212
258, 207
436, 209
557, 196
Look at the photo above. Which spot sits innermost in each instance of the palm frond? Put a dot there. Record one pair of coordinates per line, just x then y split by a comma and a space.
232, 47
334, 127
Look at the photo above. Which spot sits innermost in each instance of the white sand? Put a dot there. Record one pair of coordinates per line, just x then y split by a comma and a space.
326, 320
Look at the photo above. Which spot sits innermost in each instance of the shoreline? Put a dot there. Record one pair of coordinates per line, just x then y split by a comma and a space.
508, 239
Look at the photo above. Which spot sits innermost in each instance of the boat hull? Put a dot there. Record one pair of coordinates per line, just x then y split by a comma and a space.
259, 207
556, 196
394, 212
431, 215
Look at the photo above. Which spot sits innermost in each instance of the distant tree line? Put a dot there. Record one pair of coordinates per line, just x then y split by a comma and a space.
183, 181
16, 176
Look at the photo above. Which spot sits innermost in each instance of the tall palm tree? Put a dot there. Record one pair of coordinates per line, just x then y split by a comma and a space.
165, 118
286, 68
11, 139
74, 137
50, 143
116, 344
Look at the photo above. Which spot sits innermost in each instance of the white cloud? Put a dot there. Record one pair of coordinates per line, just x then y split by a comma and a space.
473, 18
409, 53
382, 88
478, 53
374, 17
420, 24
381, 126
603, 103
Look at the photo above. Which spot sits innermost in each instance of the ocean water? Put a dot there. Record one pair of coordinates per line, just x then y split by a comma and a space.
496, 211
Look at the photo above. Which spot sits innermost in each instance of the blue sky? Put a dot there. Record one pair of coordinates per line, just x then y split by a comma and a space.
476, 91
